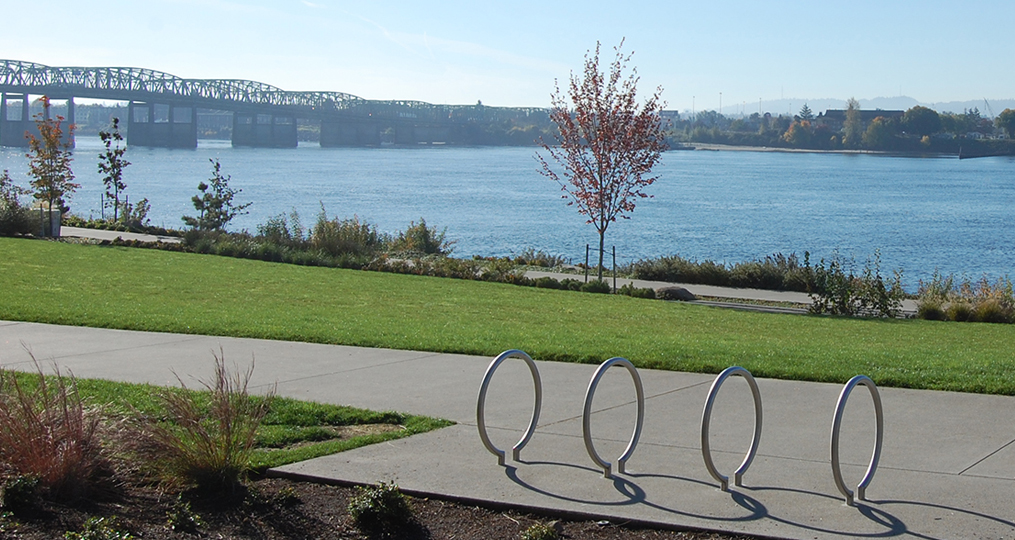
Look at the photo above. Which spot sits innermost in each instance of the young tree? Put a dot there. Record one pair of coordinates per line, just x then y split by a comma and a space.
806, 113
112, 164
215, 207
922, 121
606, 145
852, 128
50, 157
879, 134
799, 134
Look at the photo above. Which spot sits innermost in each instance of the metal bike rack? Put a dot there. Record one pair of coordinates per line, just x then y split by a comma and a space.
481, 405
861, 489
587, 415
706, 419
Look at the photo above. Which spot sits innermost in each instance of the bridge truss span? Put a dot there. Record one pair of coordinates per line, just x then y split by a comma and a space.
263, 115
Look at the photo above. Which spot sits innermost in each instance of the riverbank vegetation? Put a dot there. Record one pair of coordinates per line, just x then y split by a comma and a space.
141, 289
918, 130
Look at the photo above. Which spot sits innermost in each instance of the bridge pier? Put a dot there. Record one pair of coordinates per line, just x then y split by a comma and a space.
264, 130
13, 122
161, 126
16, 121
350, 133
357, 132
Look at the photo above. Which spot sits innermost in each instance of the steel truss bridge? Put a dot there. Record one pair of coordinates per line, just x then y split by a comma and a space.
263, 115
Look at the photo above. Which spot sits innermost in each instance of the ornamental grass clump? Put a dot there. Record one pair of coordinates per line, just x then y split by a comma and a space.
208, 440
49, 439
942, 298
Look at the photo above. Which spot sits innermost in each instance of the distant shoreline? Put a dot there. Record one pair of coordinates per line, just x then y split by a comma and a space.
709, 147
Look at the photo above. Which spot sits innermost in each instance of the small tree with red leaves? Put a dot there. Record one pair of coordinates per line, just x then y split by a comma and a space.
50, 156
606, 145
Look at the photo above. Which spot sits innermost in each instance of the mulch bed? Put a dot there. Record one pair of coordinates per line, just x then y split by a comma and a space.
277, 508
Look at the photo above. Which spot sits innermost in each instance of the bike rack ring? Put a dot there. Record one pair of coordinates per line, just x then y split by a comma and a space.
481, 404
861, 489
587, 415
706, 419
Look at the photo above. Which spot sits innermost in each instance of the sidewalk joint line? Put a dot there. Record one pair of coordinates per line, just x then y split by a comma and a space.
984, 458
626, 403
372, 366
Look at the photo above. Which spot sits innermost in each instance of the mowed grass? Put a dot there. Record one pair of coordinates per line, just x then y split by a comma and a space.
139, 289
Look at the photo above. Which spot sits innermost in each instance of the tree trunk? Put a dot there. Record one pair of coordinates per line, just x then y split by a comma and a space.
602, 237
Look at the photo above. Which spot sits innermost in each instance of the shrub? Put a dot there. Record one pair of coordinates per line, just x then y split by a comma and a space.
981, 301
380, 507
15, 218
571, 284
960, 311
931, 310
347, 236
419, 238
547, 282
631, 290
596, 286
18, 490
49, 438
837, 290
282, 231
216, 207
775, 272
992, 310
182, 518
100, 528
541, 531
531, 257
205, 447
501, 270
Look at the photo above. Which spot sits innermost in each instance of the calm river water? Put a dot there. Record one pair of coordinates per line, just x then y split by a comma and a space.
923, 214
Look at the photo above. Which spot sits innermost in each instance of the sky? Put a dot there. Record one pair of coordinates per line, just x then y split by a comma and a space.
510, 53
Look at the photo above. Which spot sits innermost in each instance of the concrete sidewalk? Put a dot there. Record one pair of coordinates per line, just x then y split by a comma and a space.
947, 468
101, 234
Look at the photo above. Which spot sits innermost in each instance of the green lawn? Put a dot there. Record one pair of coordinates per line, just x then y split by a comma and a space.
291, 431
140, 289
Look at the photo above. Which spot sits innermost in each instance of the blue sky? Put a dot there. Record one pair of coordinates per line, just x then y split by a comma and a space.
509, 53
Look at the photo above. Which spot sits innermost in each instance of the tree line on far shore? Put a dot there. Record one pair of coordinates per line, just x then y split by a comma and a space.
918, 129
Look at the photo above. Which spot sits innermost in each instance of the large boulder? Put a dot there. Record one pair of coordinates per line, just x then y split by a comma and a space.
675, 293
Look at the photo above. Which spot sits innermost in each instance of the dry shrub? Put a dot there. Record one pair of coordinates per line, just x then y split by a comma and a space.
49, 436
206, 445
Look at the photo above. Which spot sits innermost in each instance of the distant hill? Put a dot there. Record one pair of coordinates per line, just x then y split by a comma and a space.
793, 105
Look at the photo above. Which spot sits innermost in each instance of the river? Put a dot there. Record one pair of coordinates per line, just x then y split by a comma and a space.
922, 214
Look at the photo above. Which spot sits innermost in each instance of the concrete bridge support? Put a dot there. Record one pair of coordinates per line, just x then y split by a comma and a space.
359, 132
353, 132
161, 126
264, 130
15, 120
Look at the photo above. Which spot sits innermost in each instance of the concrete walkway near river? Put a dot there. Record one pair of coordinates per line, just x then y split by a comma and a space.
947, 468
729, 293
